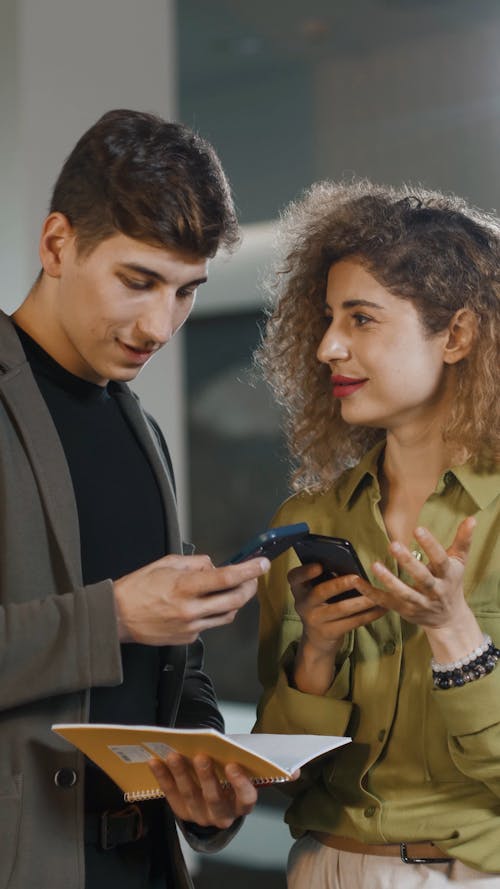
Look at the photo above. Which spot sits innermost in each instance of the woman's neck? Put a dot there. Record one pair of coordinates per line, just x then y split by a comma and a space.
412, 466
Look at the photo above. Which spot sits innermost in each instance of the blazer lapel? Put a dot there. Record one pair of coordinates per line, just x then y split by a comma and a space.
133, 411
21, 395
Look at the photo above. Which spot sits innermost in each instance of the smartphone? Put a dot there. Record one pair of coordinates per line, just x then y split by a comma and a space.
336, 555
270, 543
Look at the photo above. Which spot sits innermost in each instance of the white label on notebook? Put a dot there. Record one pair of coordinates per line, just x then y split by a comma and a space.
159, 748
131, 752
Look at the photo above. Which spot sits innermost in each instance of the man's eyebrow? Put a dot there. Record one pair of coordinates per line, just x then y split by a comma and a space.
157, 276
143, 270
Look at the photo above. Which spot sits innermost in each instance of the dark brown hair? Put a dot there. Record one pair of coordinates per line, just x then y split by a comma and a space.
421, 245
153, 180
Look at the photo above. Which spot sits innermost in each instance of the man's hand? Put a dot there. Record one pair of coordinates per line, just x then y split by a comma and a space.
194, 792
171, 601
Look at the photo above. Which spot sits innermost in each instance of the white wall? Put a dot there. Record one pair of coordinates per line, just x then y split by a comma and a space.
235, 281
11, 242
62, 64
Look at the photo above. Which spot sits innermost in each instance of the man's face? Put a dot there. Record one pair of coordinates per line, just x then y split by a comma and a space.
112, 309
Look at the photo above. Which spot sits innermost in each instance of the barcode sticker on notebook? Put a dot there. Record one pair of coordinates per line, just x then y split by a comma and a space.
131, 752
159, 748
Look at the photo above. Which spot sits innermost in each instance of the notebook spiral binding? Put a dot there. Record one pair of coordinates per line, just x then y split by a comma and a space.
155, 793
139, 795
258, 782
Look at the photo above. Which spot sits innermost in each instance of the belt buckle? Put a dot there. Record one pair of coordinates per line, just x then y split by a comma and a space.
403, 850
107, 817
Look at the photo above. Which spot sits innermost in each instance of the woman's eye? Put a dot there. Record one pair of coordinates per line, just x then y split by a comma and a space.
361, 319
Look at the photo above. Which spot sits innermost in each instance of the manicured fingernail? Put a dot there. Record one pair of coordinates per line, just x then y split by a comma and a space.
265, 564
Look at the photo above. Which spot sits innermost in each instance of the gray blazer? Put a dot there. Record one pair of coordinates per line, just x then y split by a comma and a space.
58, 638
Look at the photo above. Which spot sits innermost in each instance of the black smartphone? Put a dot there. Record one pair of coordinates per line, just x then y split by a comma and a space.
270, 543
336, 555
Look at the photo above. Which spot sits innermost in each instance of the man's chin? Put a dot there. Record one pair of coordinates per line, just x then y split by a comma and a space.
127, 376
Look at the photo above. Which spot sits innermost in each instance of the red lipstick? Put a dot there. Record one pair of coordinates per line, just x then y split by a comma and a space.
344, 386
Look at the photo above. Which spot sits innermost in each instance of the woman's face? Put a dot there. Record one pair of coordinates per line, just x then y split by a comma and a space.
386, 370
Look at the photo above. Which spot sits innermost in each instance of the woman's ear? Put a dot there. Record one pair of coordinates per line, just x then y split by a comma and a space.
57, 234
461, 335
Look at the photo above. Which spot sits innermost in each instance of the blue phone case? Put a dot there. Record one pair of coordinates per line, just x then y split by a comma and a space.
270, 543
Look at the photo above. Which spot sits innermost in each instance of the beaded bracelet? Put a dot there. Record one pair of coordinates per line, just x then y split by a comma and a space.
475, 665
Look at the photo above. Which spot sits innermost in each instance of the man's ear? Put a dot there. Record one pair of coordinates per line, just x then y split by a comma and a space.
57, 235
461, 336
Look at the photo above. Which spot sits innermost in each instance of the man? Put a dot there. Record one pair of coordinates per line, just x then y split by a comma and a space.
100, 610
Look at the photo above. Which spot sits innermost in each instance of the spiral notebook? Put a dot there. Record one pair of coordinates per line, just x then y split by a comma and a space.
123, 751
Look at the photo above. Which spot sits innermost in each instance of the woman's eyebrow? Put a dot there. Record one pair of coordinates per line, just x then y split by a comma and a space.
353, 303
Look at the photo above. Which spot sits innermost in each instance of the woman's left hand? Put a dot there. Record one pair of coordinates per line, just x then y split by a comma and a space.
435, 601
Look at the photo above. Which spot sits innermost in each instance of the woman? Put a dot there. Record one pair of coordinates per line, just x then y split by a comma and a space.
383, 350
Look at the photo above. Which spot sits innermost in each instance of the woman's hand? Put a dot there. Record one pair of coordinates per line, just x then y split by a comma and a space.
324, 624
435, 600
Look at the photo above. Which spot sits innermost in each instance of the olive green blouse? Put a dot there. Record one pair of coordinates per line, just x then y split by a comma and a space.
423, 764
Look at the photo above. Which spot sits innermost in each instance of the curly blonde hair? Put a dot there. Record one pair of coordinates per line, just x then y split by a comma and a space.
431, 248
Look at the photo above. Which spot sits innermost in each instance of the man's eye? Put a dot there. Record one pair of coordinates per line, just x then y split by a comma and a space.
186, 293
134, 284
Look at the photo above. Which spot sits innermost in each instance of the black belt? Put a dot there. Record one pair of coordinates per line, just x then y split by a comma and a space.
114, 828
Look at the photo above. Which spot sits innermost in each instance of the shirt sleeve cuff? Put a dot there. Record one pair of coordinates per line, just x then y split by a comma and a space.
471, 708
313, 714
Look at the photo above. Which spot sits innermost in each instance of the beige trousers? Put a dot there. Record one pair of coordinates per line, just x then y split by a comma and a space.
311, 865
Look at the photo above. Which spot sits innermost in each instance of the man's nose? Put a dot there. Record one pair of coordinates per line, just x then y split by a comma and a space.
156, 324
333, 347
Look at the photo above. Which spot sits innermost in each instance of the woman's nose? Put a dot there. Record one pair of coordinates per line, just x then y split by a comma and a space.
333, 346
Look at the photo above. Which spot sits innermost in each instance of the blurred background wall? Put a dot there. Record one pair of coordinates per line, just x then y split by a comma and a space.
288, 92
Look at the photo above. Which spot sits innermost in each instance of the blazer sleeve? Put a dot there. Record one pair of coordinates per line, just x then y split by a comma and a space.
198, 704
58, 645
